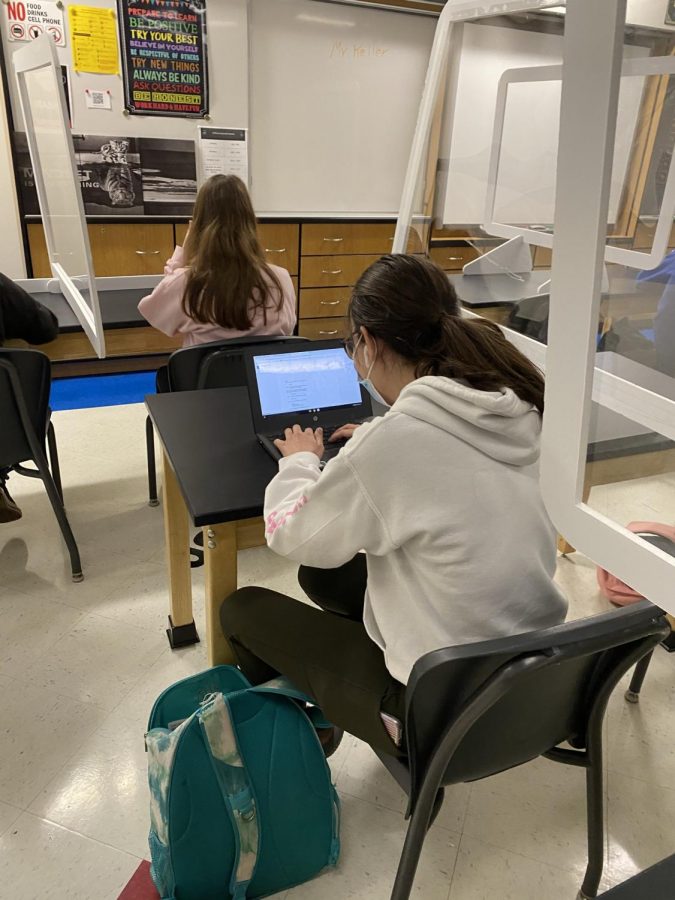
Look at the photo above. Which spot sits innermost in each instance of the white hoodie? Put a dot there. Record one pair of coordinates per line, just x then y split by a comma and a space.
443, 495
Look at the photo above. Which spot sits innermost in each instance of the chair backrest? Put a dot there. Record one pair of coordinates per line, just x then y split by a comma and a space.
512, 699
25, 379
206, 366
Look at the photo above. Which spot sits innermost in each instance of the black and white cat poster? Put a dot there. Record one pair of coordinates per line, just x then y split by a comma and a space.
169, 175
110, 175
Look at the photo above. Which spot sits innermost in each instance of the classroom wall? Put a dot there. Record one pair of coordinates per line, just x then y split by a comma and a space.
11, 246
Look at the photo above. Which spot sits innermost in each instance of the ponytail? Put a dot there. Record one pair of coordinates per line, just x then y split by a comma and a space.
477, 352
409, 304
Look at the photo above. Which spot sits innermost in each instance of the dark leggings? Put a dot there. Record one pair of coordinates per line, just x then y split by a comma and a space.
325, 652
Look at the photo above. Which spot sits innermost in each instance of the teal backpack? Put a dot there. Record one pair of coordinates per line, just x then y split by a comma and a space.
241, 799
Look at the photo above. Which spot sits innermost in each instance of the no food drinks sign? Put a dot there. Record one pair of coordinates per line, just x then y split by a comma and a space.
164, 57
28, 19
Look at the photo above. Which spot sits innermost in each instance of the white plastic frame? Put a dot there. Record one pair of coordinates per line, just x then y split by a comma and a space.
41, 54
593, 50
660, 65
454, 12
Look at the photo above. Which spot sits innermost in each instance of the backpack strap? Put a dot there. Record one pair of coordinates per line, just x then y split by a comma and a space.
285, 688
220, 739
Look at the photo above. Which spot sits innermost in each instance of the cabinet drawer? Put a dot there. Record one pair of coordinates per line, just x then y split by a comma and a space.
38, 252
322, 329
333, 271
130, 249
319, 240
281, 242
452, 259
324, 302
180, 230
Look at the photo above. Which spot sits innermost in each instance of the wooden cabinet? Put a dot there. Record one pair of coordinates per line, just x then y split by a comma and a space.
319, 239
542, 257
281, 242
38, 251
115, 249
130, 249
316, 303
453, 258
323, 329
334, 256
180, 231
333, 271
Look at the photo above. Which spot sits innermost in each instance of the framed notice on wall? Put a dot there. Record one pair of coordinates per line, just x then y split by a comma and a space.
164, 57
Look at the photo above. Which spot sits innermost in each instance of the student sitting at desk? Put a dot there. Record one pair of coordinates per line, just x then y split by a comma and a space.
218, 285
442, 493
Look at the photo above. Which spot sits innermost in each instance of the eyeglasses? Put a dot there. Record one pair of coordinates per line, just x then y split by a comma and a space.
349, 344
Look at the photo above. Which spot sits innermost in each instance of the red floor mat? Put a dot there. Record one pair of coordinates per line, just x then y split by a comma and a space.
140, 887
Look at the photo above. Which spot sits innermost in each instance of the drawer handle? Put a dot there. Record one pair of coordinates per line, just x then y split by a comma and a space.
330, 302
147, 252
273, 250
331, 271
456, 258
333, 240
328, 332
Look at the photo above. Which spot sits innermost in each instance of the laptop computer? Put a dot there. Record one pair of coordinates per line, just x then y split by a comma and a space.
313, 385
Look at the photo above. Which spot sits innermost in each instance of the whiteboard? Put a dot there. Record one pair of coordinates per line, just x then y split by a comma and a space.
531, 126
335, 92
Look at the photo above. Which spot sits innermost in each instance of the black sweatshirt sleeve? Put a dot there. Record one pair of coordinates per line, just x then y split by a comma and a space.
23, 317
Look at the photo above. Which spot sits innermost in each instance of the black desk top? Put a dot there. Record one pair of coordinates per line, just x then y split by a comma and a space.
119, 309
208, 436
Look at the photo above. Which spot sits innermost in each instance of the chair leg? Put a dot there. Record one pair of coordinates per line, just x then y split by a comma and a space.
62, 519
632, 695
152, 467
595, 821
54, 460
428, 804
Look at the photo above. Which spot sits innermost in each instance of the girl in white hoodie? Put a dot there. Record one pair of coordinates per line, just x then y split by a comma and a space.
442, 494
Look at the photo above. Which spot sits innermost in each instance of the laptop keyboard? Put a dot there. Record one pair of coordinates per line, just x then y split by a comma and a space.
329, 449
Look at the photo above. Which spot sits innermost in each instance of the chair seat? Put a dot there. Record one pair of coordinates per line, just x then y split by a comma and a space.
655, 883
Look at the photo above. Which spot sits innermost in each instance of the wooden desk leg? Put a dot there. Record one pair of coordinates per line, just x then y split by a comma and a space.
181, 630
564, 545
220, 573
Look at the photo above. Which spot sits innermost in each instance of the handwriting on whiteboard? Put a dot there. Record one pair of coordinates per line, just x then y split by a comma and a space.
340, 50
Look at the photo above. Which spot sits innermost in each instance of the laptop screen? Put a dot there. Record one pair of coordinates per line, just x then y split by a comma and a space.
306, 381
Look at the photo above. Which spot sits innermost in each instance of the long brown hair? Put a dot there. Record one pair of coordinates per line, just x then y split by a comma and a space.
228, 278
409, 303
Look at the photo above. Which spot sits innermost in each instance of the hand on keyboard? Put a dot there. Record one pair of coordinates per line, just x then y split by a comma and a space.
343, 433
295, 440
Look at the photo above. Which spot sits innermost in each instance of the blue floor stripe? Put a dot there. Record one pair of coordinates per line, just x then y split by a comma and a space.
101, 390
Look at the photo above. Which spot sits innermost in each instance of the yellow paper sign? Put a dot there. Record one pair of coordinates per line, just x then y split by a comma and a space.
93, 32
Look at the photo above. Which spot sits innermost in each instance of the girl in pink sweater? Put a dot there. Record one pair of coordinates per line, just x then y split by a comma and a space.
219, 285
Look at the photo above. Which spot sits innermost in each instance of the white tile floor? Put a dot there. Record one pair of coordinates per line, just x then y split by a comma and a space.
80, 665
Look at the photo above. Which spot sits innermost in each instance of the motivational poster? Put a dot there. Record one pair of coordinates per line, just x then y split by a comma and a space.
164, 57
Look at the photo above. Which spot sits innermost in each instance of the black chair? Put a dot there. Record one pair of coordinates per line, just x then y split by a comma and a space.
479, 709
200, 367
632, 694
25, 379
655, 883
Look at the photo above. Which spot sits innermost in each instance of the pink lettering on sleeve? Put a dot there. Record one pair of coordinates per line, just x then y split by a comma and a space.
276, 520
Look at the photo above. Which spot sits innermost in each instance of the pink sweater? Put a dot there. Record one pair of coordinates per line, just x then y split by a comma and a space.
163, 308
